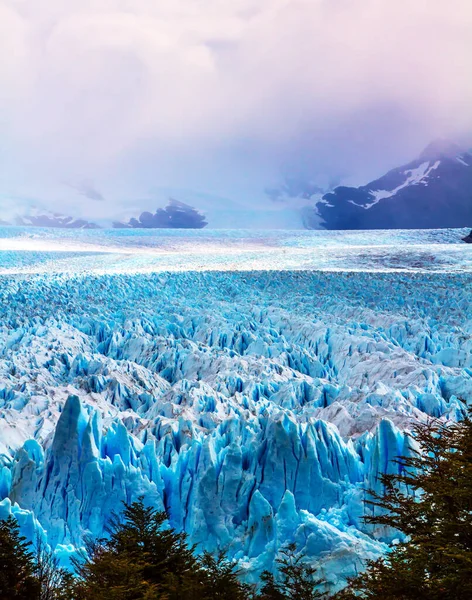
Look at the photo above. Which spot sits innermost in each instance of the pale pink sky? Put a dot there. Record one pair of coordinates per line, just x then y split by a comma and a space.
224, 96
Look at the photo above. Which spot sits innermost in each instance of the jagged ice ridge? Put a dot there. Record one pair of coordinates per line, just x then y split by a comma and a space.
256, 408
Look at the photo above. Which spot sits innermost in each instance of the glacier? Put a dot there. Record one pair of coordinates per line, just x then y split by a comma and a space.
256, 406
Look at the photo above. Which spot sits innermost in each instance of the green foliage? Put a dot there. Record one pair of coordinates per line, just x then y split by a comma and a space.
29, 573
220, 579
295, 580
145, 560
430, 502
17, 578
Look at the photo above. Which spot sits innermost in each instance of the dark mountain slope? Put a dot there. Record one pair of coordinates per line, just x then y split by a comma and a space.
433, 191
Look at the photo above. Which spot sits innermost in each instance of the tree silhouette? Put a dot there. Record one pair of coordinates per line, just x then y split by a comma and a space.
294, 579
430, 503
17, 567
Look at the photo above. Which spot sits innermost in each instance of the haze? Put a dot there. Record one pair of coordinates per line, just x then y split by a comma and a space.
107, 107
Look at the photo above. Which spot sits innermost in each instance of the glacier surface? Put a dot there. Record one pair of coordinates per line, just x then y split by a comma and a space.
255, 406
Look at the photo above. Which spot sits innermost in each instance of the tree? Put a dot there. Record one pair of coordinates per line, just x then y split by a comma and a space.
55, 582
430, 503
144, 559
295, 580
17, 567
137, 561
270, 590
220, 579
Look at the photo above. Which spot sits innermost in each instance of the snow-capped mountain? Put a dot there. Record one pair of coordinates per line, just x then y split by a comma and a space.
41, 218
433, 191
176, 215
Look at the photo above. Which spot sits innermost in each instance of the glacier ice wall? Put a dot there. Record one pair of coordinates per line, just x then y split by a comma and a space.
256, 408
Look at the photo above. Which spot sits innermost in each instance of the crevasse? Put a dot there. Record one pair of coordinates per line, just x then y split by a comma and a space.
256, 408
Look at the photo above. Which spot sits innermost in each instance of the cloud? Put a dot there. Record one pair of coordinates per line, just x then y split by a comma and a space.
88, 190
143, 93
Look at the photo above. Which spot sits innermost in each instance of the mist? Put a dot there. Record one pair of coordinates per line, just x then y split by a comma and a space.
109, 107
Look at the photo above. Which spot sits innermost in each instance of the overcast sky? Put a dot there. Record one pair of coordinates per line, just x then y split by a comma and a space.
103, 102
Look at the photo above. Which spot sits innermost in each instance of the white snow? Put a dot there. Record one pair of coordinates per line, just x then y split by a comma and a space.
462, 161
413, 177
151, 251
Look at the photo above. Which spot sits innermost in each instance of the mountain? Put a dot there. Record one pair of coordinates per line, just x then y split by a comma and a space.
40, 218
433, 191
468, 238
176, 215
